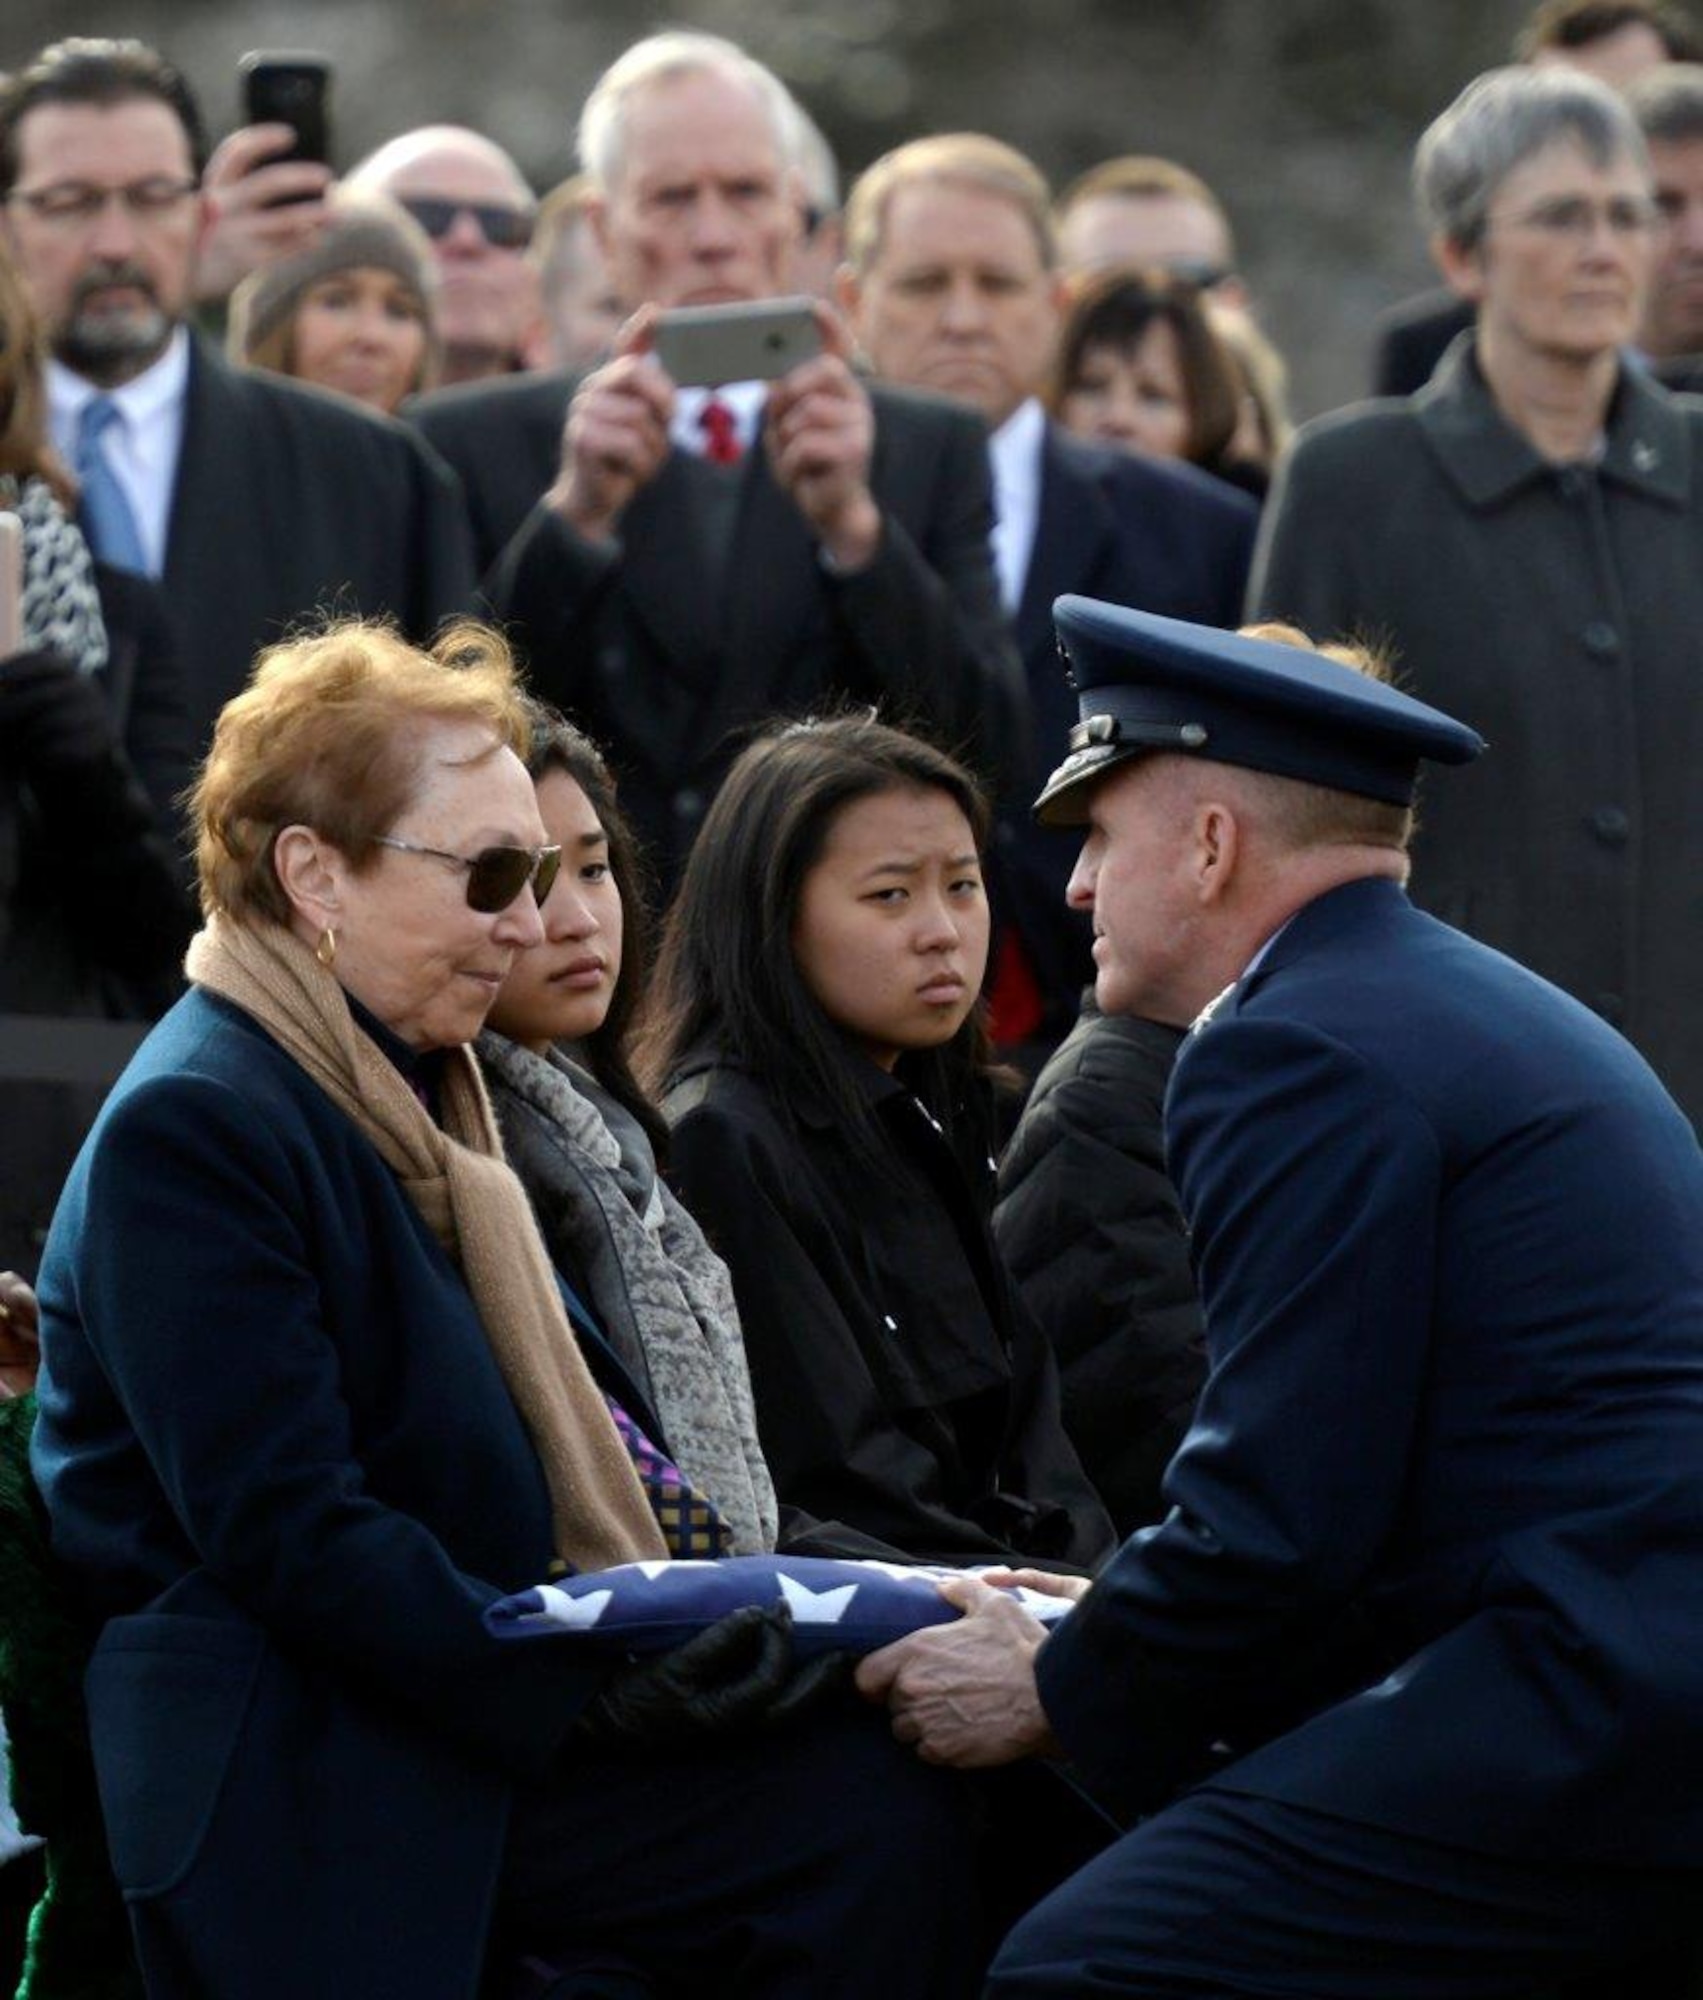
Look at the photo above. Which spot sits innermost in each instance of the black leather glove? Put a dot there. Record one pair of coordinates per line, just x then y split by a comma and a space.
54, 721
726, 1678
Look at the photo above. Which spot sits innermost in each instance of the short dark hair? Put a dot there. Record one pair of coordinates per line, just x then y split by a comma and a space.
727, 980
1668, 104
1114, 309
557, 745
1575, 24
89, 70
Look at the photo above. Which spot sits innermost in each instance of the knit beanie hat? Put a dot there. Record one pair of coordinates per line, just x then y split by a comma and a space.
363, 232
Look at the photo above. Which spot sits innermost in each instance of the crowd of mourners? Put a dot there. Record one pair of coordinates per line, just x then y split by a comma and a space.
616, 1069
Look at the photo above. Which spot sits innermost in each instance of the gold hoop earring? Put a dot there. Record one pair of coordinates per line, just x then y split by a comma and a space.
326, 949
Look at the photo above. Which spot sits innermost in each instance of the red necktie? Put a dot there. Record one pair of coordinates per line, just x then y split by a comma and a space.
721, 432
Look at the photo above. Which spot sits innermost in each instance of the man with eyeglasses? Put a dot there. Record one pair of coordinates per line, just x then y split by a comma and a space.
254, 501
1618, 42
1526, 536
473, 202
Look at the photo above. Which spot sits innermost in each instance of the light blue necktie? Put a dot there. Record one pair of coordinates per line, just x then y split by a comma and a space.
107, 514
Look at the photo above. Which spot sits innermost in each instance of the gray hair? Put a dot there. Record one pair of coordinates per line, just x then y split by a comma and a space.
1501, 120
1668, 104
675, 52
810, 153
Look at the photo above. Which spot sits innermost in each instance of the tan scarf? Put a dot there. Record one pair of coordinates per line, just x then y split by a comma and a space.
473, 1204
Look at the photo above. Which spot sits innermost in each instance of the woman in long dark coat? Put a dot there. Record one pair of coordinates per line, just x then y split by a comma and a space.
1526, 535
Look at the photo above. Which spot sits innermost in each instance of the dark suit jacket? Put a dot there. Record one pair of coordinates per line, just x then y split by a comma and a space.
1436, 1534
667, 663
1412, 337
280, 1461
1155, 534
290, 500
95, 908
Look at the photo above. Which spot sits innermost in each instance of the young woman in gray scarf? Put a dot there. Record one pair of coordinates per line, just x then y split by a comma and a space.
581, 1136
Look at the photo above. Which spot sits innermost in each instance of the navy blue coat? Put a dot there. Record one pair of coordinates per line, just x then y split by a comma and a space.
1435, 1559
279, 1458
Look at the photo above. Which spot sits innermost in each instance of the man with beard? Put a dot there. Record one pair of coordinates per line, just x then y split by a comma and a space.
254, 500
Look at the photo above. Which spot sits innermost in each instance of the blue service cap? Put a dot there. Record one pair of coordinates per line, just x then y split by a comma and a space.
1147, 683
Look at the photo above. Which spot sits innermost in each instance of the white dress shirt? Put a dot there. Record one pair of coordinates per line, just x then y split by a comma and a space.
744, 399
143, 447
1015, 453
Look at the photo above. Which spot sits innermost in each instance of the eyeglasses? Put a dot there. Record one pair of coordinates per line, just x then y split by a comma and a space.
1573, 219
495, 875
75, 204
502, 228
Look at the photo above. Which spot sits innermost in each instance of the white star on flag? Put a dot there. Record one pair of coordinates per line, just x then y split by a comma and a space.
577, 1613
817, 1607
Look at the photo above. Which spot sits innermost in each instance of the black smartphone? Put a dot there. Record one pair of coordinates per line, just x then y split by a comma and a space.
284, 88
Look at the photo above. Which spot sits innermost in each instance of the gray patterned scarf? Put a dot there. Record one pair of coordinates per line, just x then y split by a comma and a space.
61, 608
646, 1264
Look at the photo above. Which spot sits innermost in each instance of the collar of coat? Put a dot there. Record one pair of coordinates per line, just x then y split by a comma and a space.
1648, 442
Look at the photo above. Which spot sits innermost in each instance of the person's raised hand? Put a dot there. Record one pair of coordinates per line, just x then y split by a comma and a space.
615, 438
964, 1694
819, 431
259, 212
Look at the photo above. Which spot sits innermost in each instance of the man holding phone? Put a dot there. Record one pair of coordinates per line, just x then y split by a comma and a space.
253, 500
680, 562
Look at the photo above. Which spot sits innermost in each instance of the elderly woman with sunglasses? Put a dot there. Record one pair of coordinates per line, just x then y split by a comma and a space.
1525, 536
311, 1400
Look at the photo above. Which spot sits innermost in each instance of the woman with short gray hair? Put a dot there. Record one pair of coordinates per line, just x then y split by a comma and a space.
1501, 120
1526, 534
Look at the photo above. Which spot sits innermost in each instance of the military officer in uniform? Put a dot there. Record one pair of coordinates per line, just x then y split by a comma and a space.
1405, 1694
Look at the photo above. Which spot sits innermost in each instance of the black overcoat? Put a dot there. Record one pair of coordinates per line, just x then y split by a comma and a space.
902, 1387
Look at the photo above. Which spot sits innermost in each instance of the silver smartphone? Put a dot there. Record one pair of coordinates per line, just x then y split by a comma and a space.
706, 346
11, 585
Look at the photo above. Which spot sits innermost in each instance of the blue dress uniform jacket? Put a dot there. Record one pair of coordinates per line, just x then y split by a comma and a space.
279, 1458
1435, 1555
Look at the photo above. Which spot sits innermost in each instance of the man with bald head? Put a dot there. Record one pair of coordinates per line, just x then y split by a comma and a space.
680, 561
474, 203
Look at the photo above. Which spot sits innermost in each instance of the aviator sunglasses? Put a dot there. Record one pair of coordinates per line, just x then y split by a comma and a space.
502, 228
495, 875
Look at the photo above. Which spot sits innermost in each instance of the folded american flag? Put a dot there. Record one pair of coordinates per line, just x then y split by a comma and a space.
649, 1607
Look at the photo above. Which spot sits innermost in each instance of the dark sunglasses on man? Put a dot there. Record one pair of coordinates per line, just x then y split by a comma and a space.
502, 228
495, 875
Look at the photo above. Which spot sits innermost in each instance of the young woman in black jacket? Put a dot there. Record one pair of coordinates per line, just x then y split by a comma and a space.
816, 1031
